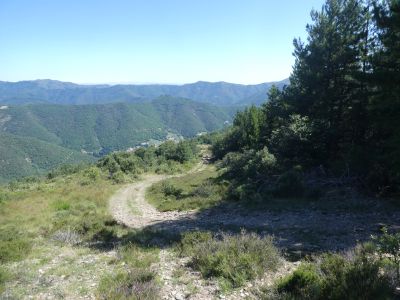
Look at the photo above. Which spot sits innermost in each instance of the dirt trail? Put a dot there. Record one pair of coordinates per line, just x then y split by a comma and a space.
129, 206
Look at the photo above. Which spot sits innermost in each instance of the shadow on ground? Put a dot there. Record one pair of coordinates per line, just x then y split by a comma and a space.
299, 231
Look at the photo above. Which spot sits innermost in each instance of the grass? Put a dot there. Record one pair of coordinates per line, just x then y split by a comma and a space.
188, 192
52, 229
136, 280
232, 259
4, 276
39, 216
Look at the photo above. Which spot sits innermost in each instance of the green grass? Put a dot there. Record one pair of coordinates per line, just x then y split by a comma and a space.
4, 276
232, 259
39, 209
67, 214
192, 191
136, 280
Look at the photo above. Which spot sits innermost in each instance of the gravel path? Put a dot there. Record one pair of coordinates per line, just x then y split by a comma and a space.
128, 206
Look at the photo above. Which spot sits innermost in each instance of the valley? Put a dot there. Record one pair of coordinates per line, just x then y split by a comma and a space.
38, 138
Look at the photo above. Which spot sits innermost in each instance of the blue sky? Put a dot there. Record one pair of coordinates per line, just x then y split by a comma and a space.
150, 41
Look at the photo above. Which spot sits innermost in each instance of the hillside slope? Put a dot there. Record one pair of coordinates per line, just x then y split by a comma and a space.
25, 156
30, 133
56, 92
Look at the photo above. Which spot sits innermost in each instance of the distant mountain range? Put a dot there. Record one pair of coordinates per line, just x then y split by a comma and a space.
57, 92
37, 137
46, 123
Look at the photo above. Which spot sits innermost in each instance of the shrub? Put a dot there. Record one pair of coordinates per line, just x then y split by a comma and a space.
119, 177
136, 284
355, 276
170, 190
289, 184
4, 276
191, 240
13, 245
303, 283
389, 245
61, 205
4, 195
66, 170
204, 190
136, 281
136, 257
233, 259
92, 173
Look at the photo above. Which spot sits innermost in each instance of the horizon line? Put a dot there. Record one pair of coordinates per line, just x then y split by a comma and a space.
139, 82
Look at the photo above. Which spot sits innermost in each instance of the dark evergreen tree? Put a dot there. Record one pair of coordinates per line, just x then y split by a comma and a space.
385, 101
325, 83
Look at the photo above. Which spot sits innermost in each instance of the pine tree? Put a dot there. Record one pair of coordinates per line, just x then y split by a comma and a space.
325, 83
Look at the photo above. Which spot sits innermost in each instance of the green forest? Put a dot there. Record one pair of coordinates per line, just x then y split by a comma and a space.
337, 119
37, 138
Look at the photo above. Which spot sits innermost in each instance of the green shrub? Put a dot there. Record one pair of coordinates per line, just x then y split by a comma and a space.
357, 275
303, 283
14, 245
204, 190
66, 170
92, 173
191, 240
136, 281
289, 184
136, 257
61, 205
170, 190
4, 195
389, 245
233, 259
164, 159
135, 284
119, 177
4, 276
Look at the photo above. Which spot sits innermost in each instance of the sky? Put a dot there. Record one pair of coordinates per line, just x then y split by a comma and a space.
150, 41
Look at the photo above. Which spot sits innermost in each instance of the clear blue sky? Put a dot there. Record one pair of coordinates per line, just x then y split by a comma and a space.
150, 41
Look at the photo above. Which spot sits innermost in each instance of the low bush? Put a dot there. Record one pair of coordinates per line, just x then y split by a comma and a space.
164, 159
136, 281
204, 190
4, 276
135, 284
303, 283
233, 259
66, 170
14, 245
187, 192
119, 177
357, 275
289, 184
61, 205
170, 190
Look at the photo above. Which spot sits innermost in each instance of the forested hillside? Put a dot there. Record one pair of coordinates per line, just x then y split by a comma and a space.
56, 92
337, 122
30, 133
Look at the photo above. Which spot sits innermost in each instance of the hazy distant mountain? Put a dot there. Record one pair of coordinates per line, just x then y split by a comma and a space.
37, 137
57, 92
